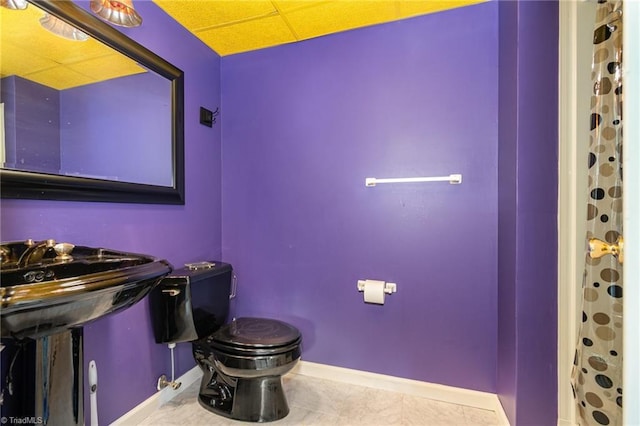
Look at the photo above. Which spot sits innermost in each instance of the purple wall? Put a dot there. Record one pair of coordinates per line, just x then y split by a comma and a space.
527, 255
304, 124
110, 114
129, 362
33, 126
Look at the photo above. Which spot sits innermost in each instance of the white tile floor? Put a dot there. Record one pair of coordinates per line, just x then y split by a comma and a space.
314, 401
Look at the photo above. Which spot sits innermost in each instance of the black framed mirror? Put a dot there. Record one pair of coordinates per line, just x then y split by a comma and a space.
108, 186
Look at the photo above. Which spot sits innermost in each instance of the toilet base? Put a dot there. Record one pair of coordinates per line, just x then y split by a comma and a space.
259, 399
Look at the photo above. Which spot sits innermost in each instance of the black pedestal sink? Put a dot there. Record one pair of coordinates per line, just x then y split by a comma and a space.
48, 291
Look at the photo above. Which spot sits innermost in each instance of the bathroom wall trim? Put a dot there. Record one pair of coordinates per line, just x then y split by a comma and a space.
450, 394
453, 395
567, 207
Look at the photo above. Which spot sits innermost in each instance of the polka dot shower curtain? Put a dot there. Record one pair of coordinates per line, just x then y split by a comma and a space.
597, 371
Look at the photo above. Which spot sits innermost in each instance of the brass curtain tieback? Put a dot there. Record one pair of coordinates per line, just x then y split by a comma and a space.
598, 248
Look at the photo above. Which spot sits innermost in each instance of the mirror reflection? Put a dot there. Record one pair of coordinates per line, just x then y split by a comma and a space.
72, 106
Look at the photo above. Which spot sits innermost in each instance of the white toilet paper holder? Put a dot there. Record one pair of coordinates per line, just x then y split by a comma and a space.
388, 287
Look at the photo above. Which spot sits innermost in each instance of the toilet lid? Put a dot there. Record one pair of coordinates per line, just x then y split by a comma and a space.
256, 333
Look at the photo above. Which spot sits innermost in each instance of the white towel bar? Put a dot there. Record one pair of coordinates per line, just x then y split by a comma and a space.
452, 179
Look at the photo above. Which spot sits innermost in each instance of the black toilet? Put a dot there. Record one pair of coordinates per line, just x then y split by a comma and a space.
243, 361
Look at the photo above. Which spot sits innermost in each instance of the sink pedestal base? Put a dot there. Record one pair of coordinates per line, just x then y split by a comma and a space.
43, 380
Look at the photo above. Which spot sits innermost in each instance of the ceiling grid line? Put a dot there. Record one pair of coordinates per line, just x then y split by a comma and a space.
236, 22
286, 21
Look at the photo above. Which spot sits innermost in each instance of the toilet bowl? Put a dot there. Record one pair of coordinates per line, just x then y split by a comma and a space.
243, 361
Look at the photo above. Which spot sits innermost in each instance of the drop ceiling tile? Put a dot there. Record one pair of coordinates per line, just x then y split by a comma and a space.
249, 35
200, 14
23, 29
17, 61
19, 23
107, 67
66, 51
63, 51
30, 51
339, 16
290, 5
59, 78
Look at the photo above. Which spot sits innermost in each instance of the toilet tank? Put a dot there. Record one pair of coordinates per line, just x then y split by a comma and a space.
190, 304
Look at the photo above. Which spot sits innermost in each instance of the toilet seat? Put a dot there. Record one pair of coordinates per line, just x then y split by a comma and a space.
255, 337
243, 363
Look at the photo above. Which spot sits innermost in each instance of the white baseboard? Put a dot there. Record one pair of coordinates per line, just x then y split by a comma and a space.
158, 399
471, 398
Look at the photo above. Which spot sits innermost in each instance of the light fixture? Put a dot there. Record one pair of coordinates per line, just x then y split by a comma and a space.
61, 28
118, 12
14, 4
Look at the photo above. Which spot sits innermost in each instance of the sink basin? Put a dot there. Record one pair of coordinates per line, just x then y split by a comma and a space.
47, 287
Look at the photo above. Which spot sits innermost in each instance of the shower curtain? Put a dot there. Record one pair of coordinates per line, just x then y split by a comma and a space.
597, 371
